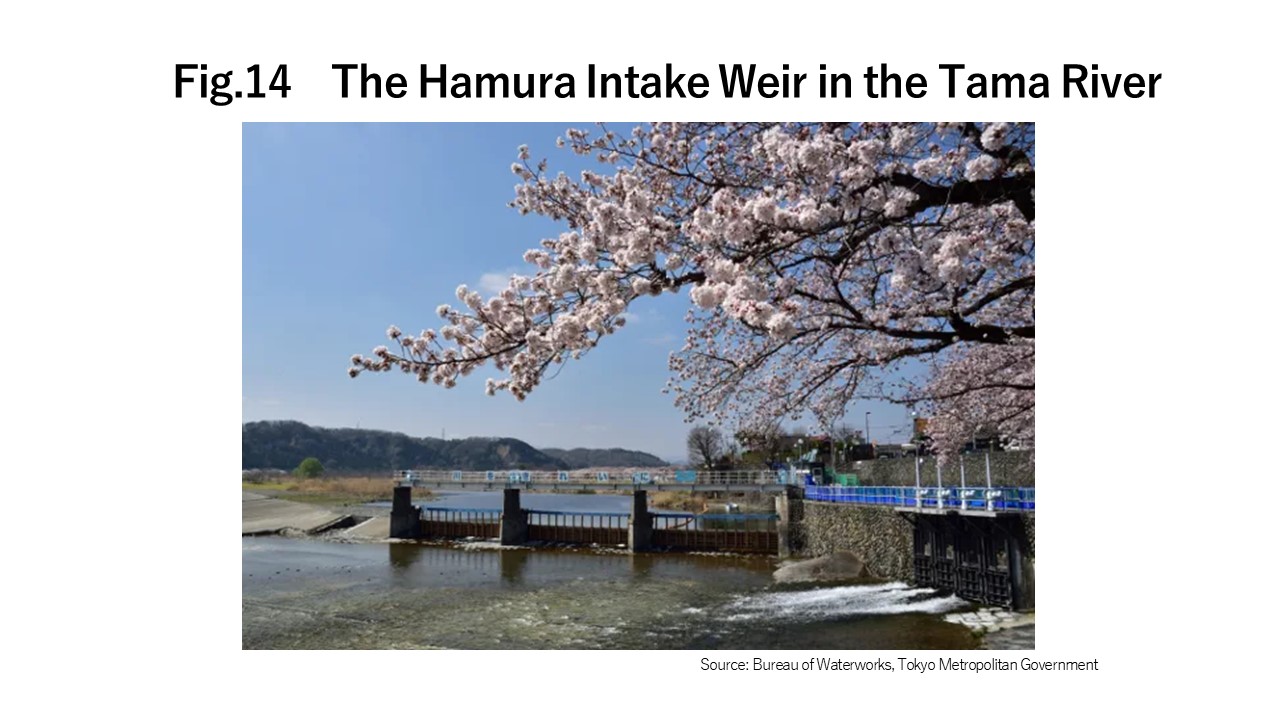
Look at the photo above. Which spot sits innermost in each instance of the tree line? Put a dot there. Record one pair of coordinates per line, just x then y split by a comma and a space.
710, 448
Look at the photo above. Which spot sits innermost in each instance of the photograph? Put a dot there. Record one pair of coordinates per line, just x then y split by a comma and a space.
638, 386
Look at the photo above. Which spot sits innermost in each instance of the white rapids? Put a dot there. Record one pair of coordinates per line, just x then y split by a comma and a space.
837, 602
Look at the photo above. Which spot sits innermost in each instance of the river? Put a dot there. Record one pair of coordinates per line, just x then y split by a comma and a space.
315, 593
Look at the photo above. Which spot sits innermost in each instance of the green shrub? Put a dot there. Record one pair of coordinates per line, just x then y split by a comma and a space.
309, 468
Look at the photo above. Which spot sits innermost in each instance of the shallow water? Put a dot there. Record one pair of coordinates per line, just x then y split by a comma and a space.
309, 593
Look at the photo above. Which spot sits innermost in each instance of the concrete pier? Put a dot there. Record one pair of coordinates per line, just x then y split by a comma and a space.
514, 522
640, 528
789, 507
404, 516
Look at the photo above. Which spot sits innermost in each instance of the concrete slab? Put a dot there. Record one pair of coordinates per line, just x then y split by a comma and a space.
260, 514
378, 528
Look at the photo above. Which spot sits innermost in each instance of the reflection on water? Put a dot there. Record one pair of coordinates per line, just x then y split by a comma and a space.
510, 564
306, 593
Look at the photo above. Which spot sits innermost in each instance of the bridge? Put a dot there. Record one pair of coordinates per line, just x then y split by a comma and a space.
738, 481
969, 540
982, 500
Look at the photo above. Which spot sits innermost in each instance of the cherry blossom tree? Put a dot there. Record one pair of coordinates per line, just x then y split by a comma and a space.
821, 261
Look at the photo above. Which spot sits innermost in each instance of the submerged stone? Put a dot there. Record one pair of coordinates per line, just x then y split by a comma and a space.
840, 565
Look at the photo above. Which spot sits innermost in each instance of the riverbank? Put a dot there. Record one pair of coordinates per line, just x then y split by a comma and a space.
718, 502
331, 492
261, 514
343, 522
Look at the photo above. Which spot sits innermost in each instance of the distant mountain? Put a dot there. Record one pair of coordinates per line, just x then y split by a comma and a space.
285, 443
613, 457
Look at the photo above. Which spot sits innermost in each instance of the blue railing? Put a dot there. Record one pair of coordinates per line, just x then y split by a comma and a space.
1004, 499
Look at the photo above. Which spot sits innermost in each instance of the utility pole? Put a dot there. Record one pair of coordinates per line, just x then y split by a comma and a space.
867, 438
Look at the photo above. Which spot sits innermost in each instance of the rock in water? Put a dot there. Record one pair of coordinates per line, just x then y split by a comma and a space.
840, 565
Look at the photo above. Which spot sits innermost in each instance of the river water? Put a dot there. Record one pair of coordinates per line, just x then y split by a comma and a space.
311, 593
316, 593
308, 593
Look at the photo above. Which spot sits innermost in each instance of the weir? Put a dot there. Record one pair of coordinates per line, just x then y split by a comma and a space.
975, 542
638, 530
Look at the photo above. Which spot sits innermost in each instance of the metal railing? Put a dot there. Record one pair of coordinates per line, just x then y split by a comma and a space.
735, 522
575, 519
998, 499
461, 522
524, 477
595, 528
737, 532
740, 477
451, 514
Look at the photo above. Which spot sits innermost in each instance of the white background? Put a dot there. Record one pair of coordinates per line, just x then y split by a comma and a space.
121, 297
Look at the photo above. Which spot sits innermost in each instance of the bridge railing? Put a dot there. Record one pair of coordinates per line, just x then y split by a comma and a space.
641, 477
739, 477
1002, 499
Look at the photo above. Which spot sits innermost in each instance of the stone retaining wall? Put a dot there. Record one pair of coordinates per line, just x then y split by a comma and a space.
880, 536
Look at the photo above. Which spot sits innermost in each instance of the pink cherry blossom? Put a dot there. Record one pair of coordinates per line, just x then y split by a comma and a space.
820, 260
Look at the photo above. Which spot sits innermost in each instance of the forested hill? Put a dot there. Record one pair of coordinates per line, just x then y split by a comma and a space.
284, 443
612, 457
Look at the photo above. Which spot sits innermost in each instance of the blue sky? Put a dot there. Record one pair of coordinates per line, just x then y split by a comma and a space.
349, 228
